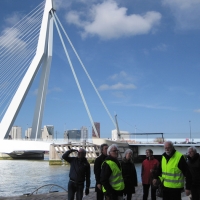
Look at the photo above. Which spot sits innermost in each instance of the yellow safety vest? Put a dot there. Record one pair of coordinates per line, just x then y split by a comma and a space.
172, 176
116, 179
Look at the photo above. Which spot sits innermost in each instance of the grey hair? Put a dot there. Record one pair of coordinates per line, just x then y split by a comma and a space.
128, 151
111, 147
170, 142
193, 148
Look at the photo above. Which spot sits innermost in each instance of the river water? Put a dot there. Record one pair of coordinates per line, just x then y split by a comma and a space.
18, 177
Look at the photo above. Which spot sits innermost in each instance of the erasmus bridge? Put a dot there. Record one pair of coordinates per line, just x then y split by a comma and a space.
24, 49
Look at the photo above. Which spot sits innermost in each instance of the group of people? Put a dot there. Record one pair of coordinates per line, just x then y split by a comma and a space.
115, 179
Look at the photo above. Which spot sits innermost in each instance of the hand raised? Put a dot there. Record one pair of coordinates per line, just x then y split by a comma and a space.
73, 150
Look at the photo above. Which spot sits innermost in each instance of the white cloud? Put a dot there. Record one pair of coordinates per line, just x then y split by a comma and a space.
10, 39
154, 106
198, 110
55, 89
161, 47
60, 4
118, 94
121, 76
14, 19
186, 13
108, 21
118, 86
73, 17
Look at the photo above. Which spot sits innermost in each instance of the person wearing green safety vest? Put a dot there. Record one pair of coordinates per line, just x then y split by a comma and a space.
173, 172
111, 175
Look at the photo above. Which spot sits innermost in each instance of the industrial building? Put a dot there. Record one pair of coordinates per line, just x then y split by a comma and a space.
97, 126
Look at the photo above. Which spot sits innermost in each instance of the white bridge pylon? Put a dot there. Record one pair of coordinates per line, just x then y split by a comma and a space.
43, 59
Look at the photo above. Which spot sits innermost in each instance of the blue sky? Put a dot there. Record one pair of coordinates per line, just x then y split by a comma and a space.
143, 57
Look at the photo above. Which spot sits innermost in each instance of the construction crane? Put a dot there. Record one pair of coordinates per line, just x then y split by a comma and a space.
118, 132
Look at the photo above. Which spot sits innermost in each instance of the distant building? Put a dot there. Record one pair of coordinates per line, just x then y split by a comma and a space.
15, 133
97, 126
28, 133
65, 135
84, 133
76, 135
123, 137
72, 135
47, 132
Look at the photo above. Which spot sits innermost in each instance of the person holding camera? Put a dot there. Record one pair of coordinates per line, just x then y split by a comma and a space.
79, 172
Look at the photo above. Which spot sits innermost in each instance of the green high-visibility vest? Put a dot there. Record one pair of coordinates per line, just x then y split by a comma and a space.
116, 179
172, 176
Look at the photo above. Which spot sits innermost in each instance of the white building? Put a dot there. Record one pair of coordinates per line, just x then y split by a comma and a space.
15, 132
28, 133
123, 137
47, 132
84, 133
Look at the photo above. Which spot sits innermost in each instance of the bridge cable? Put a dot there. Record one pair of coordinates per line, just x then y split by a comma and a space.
74, 73
86, 71
17, 48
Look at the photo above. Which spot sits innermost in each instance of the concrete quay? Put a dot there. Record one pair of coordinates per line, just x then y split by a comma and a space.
91, 196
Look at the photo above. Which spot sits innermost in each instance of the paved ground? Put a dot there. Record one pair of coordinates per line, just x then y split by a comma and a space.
63, 196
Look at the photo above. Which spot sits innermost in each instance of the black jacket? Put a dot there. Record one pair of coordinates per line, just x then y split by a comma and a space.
182, 165
79, 169
97, 168
194, 166
129, 175
105, 175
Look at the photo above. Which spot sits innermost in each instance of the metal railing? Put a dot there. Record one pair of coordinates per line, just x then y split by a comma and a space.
51, 186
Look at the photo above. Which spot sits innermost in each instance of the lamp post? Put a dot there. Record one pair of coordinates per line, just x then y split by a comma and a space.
26, 134
190, 130
89, 132
64, 127
135, 133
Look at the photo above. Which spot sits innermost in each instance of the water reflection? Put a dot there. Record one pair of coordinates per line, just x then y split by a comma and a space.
22, 176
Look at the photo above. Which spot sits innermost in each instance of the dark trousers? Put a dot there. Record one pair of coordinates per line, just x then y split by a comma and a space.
100, 195
171, 194
75, 188
129, 196
195, 193
146, 192
118, 195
